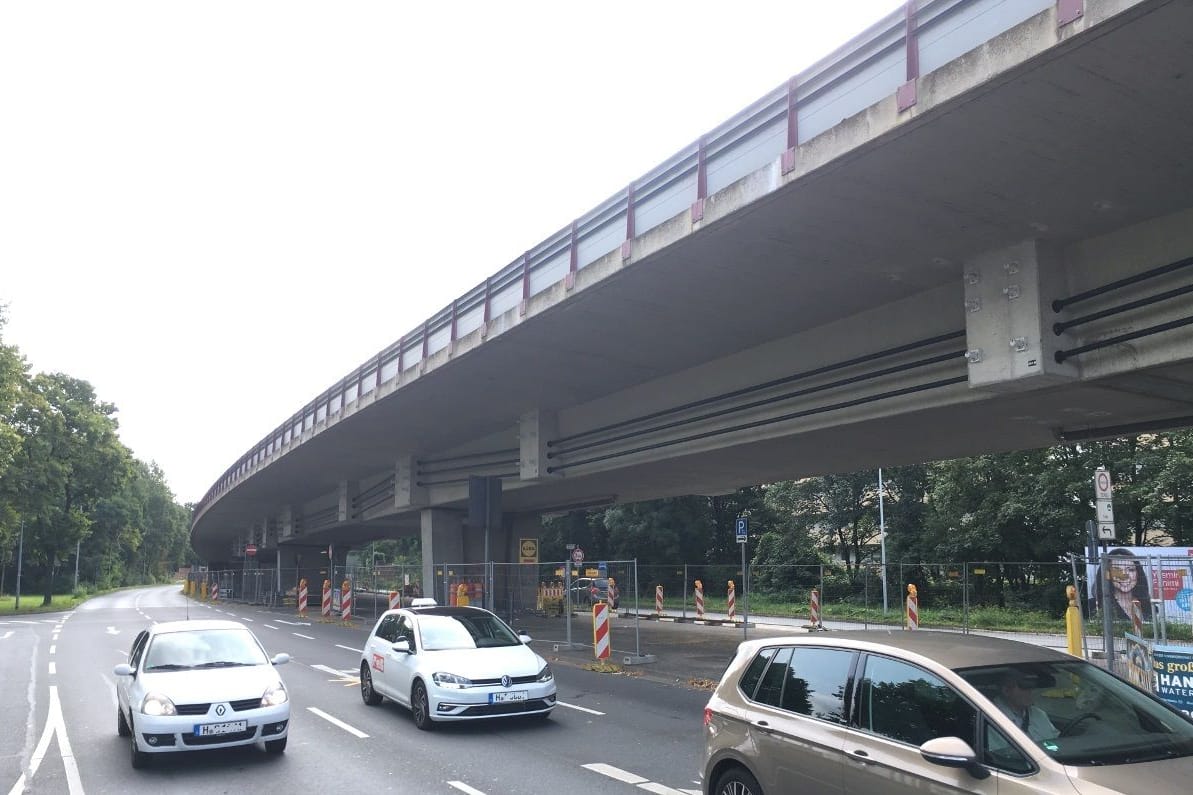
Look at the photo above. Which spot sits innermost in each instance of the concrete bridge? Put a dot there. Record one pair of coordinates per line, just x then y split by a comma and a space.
968, 230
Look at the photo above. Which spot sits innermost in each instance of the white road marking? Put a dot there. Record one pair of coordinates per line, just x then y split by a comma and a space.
339, 673
53, 648
615, 772
53, 669
336, 722
113, 631
462, 787
578, 709
54, 725
293, 623
660, 789
299, 634
6, 635
267, 626
349, 648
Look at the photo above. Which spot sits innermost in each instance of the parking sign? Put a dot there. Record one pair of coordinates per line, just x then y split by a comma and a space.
743, 528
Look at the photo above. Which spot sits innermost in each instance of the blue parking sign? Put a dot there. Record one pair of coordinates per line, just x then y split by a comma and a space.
743, 528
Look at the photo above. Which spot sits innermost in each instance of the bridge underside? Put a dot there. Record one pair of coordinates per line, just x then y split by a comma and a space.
890, 302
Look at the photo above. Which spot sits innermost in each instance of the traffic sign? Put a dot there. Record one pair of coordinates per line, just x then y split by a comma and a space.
250, 549
1105, 512
577, 555
1105, 531
1102, 484
742, 526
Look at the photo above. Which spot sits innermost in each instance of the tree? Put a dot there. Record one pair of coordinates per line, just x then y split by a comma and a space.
69, 459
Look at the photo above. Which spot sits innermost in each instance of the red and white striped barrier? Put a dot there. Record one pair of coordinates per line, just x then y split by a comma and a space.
215, 591
699, 599
600, 630
913, 608
302, 598
732, 601
326, 612
814, 608
658, 600
611, 595
395, 600
346, 601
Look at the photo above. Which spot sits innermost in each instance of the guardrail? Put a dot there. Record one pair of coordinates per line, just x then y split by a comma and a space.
888, 58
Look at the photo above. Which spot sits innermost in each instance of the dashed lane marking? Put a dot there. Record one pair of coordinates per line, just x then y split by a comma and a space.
337, 722
579, 709
299, 634
637, 780
462, 787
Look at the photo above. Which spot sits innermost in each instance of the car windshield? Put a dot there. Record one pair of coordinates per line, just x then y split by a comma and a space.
207, 648
479, 631
1079, 714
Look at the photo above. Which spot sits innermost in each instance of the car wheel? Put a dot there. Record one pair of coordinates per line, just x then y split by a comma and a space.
121, 724
737, 781
138, 758
420, 707
276, 746
367, 693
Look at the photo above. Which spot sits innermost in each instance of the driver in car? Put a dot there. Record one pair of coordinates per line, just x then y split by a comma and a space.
1016, 698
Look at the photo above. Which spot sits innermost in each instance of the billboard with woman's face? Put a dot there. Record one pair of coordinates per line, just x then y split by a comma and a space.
1156, 577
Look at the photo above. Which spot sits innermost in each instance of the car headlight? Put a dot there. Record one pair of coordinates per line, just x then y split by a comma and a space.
157, 704
545, 675
444, 679
274, 695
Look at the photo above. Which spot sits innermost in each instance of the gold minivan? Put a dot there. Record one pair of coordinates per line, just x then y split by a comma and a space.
892, 711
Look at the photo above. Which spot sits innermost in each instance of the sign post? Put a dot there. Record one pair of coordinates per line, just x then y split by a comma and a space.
1103, 500
742, 529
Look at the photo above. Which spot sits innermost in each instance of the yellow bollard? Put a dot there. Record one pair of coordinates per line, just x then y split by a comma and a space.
462, 595
1073, 623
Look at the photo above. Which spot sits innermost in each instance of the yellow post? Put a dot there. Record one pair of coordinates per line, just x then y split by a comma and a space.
203, 590
462, 595
1073, 623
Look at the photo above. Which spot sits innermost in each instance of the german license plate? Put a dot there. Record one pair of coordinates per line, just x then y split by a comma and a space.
216, 729
508, 695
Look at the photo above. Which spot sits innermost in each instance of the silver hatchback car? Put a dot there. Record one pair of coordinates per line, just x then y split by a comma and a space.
893, 711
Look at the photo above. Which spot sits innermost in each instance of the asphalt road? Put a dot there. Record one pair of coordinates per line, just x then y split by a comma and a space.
611, 733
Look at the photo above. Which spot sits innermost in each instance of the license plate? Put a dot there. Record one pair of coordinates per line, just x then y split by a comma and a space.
216, 729
508, 695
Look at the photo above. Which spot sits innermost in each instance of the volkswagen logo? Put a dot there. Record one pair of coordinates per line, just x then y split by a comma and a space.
505, 680
220, 710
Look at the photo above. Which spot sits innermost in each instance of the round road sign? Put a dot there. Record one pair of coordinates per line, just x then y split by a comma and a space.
577, 555
250, 549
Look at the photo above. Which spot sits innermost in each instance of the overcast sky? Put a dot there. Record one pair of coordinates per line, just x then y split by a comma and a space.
212, 211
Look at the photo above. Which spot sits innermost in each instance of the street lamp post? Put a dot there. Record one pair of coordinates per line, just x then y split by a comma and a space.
20, 559
882, 539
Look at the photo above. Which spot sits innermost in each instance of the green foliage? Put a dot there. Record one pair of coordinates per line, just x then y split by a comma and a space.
74, 492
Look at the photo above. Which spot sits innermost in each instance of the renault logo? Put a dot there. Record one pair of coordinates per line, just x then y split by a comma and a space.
505, 680
220, 710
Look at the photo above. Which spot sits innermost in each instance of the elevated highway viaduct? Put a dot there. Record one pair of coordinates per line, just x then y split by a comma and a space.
968, 230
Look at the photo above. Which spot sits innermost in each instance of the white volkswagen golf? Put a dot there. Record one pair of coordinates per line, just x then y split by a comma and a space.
190, 685
454, 663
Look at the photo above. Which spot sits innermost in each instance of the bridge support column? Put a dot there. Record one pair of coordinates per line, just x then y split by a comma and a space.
1010, 344
442, 541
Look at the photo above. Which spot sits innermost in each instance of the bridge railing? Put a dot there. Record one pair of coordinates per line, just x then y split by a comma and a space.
885, 60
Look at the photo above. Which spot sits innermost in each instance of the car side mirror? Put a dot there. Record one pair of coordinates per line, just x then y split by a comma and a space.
953, 752
525, 638
124, 669
402, 645
280, 659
